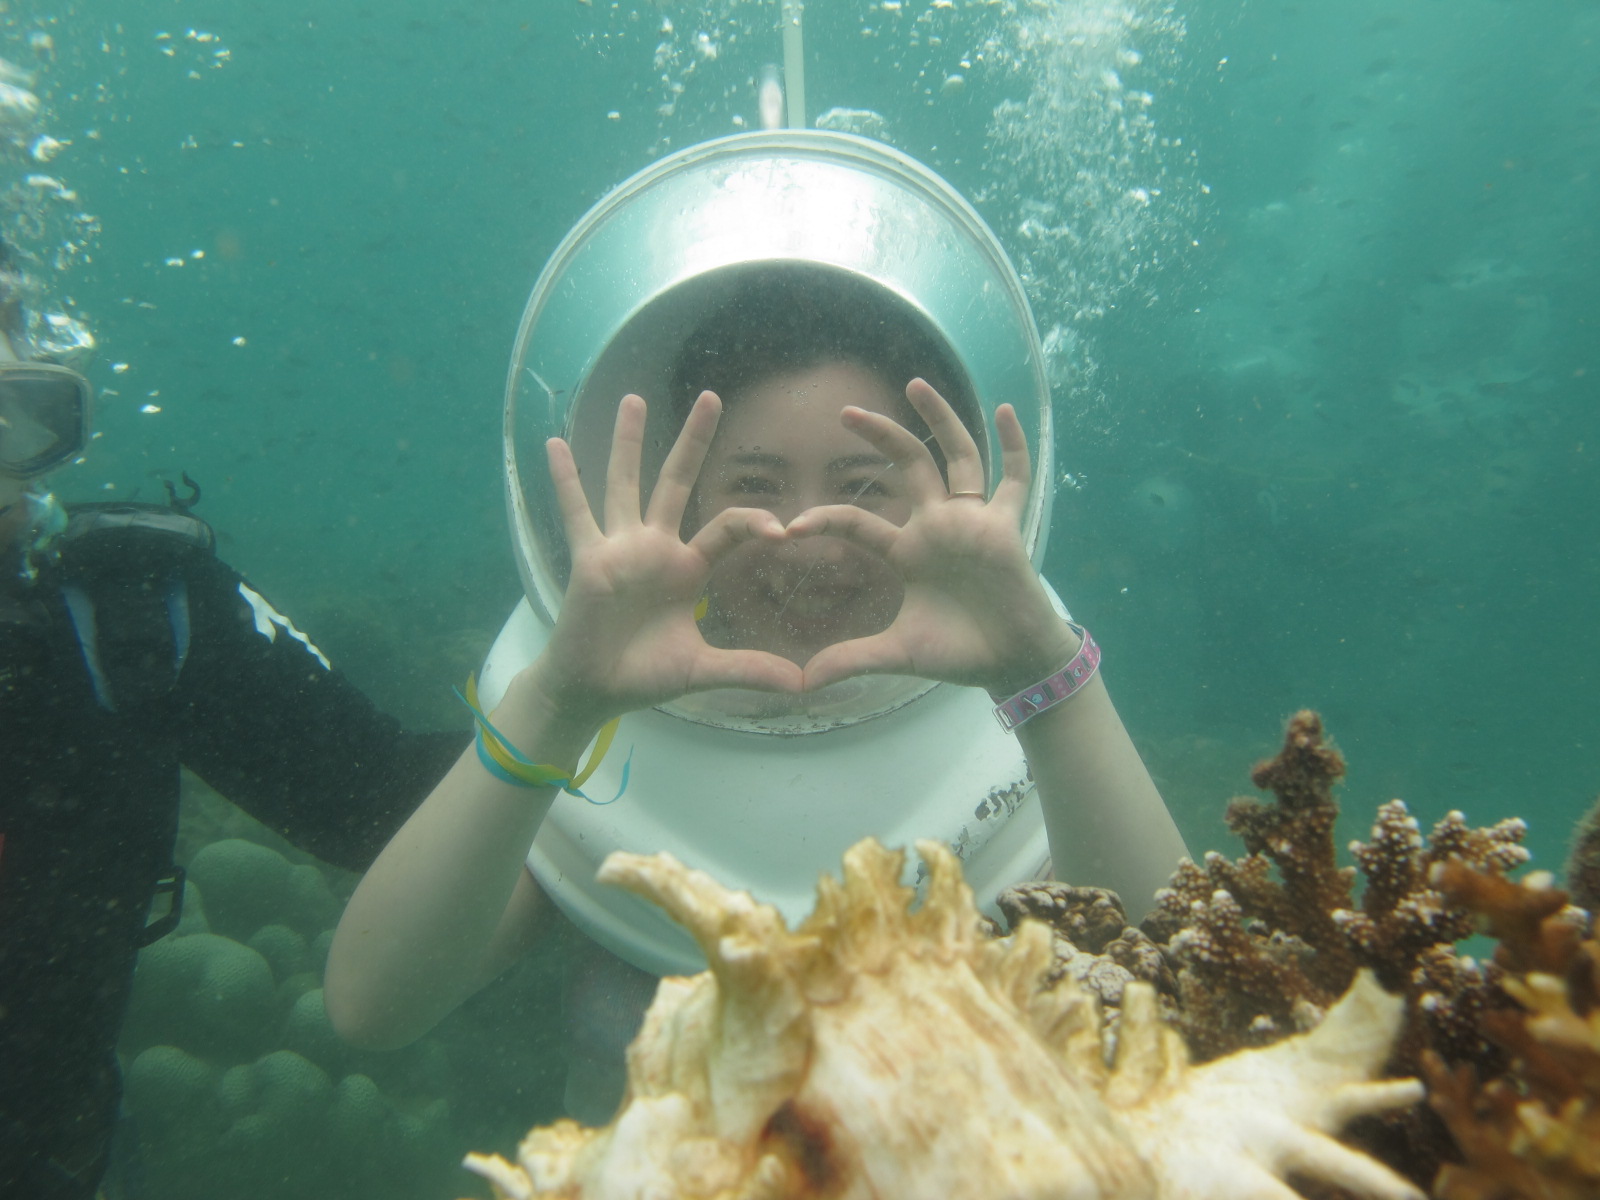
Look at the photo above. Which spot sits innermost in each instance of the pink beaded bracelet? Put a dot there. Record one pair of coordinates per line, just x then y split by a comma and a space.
1047, 693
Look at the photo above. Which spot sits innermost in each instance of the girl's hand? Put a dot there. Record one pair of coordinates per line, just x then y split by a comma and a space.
975, 611
626, 637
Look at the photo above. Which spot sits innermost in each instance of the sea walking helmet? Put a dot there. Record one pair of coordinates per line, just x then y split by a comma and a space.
765, 796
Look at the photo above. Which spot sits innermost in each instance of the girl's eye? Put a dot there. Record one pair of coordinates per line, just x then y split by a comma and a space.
864, 488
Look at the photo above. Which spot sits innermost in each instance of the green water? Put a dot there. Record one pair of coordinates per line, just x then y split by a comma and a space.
1320, 282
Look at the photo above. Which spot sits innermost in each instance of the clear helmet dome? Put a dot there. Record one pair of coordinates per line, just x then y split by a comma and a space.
790, 272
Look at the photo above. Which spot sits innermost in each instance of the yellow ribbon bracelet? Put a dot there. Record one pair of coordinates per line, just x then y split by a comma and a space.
502, 760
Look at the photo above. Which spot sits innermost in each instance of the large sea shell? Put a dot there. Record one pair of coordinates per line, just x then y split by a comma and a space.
896, 1053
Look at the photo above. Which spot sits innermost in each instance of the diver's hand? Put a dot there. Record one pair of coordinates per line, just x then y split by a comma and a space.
626, 637
975, 611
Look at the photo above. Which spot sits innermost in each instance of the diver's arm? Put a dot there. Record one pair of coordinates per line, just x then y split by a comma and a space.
1107, 824
270, 724
448, 903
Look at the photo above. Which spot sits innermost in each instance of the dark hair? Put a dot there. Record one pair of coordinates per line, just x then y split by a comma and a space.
778, 319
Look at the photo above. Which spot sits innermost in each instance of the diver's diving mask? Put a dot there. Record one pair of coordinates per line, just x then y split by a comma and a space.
44, 417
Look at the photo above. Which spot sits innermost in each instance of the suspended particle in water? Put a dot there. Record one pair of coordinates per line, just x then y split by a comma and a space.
953, 84
119, 368
239, 341
147, 409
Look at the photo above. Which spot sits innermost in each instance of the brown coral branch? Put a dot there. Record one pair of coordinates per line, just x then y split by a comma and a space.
1532, 1133
1517, 914
1296, 833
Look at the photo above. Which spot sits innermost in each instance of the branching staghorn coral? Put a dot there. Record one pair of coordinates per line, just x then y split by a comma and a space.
1257, 947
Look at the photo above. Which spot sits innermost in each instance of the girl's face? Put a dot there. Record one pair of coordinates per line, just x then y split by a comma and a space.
780, 447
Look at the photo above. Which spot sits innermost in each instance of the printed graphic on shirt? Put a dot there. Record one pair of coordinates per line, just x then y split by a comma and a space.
269, 620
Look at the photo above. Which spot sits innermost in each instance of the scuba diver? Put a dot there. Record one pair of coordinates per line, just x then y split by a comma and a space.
822, 515
127, 650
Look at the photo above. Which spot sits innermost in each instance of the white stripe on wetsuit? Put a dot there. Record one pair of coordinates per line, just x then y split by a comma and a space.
269, 620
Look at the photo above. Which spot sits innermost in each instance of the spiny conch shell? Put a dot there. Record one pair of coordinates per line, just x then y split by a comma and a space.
881, 1053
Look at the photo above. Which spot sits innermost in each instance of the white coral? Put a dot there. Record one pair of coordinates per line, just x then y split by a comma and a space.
878, 1051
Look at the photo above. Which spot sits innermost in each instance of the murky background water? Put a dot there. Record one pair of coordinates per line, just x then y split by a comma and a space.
1319, 283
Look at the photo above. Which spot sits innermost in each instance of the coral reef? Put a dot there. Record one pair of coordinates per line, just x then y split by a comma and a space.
1264, 943
881, 1051
1244, 951
1258, 946
235, 1081
236, 1084
1532, 1133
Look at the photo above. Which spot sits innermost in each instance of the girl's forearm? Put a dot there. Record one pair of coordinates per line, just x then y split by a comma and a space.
418, 934
1107, 824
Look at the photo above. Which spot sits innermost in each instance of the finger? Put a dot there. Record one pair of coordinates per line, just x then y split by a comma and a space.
682, 468
732, 527
745, 669
901, 447
880, 654
961, 453
576, 517
857, 525
1016, 467
622, 472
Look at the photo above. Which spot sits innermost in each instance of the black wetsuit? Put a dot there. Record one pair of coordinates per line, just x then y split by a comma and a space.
190, 666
